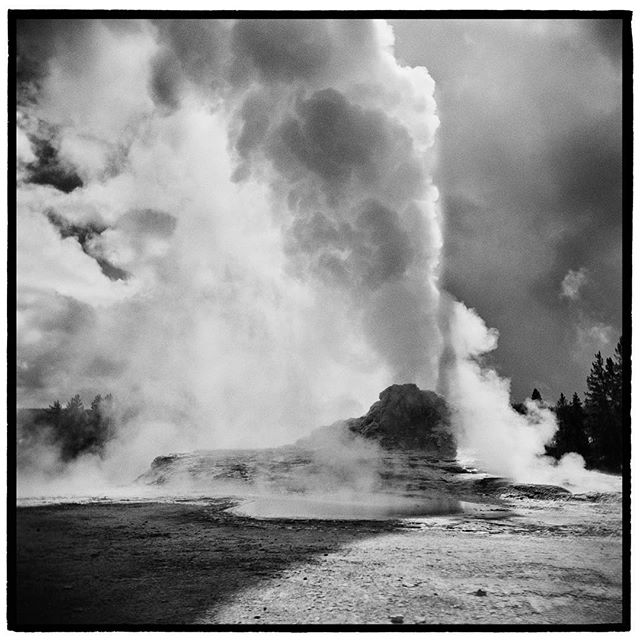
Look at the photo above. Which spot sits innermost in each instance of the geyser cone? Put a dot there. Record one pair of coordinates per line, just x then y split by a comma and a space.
404, 418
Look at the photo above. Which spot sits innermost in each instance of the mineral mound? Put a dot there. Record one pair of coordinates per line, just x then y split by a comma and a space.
404, 418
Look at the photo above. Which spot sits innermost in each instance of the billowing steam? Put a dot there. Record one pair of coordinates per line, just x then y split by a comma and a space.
231, 226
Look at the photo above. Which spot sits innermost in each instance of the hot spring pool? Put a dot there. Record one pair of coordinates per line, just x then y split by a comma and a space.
318, 508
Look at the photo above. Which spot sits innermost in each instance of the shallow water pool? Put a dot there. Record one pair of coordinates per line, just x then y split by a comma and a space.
321, 508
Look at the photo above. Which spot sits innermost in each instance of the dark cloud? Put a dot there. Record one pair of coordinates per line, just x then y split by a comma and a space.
37, 41
33, 375
584, 187
326, 137
318, 231
48, 168
84, 234
110, 270
103, 367
385, 249
282, 50
333, 138
148, 222
608, 33
584, 169
192, 51
166, 80
198, 46
66, 229
124, 25
339, 141
372, 250
35, 44
530, 174
254, 118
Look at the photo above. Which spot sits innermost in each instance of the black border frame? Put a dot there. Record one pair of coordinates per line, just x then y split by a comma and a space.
14, 15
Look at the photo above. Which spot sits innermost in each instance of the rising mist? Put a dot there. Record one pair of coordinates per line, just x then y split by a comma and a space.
232, 227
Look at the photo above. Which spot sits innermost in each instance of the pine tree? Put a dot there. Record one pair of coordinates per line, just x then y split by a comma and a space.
75, 424
102, 423
73, 429
603, 407
556, 447
617, 373
596, 386
578, 441
571, 436
54, 415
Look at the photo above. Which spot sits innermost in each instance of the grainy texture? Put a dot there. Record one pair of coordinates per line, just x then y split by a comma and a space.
158, 563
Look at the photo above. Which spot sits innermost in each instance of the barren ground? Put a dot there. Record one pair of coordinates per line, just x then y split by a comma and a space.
520, 561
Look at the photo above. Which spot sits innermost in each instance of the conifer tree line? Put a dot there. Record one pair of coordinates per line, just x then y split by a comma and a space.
596, 427
73, 428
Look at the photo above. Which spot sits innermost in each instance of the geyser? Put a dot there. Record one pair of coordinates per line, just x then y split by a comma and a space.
237, 234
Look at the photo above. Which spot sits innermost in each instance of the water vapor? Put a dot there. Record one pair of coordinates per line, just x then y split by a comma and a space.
232, 227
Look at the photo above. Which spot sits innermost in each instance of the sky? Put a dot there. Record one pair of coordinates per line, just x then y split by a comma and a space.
211, 213
530, 177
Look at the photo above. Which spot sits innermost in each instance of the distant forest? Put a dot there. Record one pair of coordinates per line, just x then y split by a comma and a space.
594, 428
73, 429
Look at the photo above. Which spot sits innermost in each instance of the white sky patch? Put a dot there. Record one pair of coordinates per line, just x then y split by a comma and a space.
24, 149
595, 336
572, 283
592, 335
47, 262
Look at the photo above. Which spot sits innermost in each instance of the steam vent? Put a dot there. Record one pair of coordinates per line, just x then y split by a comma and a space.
404, 417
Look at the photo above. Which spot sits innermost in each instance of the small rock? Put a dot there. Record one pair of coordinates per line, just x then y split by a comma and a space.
420, 620
396, 619
481, 592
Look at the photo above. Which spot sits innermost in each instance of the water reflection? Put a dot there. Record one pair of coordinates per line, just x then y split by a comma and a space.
370, 508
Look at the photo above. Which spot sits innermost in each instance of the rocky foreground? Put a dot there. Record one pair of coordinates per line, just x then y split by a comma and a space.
516, 560
485, 551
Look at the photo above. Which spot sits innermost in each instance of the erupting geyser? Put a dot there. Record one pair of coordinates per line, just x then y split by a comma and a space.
245, 238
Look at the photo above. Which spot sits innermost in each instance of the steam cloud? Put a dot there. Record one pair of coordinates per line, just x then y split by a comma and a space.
231, 226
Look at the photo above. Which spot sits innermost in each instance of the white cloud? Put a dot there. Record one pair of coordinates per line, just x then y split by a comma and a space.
24, 149
595, 336
46, 262
572, 283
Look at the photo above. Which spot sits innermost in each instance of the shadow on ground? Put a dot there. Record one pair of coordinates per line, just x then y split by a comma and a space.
155, 563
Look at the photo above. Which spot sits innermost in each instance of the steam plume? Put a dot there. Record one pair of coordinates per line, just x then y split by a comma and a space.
252, 235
